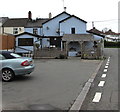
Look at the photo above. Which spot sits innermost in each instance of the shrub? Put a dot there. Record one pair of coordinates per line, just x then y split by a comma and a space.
61, 56
112, 44
37, 45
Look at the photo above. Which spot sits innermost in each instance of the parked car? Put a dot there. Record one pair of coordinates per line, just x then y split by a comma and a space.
12, 64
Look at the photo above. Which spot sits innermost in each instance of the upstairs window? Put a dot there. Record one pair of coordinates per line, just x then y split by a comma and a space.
15, 30
35, 31
72, 30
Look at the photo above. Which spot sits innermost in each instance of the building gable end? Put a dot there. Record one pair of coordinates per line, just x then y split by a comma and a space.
56, 17
72, 17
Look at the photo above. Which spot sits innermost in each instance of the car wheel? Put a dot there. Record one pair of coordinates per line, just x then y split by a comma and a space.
7, 75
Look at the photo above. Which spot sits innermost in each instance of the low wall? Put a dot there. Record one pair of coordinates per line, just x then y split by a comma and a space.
51, 53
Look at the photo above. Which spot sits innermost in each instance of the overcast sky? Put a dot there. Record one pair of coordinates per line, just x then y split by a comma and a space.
103, 12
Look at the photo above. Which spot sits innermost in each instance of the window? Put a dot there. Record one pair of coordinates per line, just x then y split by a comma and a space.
55, 42
35, 31
15, 55
2, 57
9, 55
72, 30
15, 30
25, 42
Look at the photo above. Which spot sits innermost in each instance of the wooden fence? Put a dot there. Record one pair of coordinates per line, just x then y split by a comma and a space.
7, 42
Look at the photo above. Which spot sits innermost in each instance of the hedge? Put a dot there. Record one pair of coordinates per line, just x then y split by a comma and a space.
112, 44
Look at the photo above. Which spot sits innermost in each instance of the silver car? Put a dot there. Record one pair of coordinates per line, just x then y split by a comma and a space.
13, 64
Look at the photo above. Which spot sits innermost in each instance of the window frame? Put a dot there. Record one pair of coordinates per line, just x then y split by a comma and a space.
35, 31
25, 42
15, 30
73, 30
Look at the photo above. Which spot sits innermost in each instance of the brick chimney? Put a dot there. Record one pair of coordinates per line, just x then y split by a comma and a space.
29, 15
50, 15
65, 9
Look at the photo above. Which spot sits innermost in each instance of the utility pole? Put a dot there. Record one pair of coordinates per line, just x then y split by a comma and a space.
64, 8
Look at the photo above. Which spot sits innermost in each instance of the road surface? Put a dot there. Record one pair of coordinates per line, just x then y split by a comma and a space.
103, 94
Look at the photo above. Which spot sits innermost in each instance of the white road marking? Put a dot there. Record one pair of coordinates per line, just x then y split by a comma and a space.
108, 61
101, 84
97, 97
106, 66
105, 70
104, 75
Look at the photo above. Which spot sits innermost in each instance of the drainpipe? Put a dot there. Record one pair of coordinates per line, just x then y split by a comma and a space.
61, 45
41, 42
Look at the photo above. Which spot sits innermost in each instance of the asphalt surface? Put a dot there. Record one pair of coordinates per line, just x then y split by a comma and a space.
55, 84
109, 91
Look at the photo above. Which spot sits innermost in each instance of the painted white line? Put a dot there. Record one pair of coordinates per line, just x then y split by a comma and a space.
101, 84
104, 75
105, 70
106, 66
97, 97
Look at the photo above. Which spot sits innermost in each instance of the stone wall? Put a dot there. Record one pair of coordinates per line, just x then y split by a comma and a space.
48, 53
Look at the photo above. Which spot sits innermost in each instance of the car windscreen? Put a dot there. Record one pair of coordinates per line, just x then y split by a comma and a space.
11, 55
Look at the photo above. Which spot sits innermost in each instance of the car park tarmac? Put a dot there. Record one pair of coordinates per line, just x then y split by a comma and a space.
54, 82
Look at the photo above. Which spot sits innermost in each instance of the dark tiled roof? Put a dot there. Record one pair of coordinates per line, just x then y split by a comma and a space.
3, 19
36, 23
71, 17
16, 22
27, 34
110, 32
96, 31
